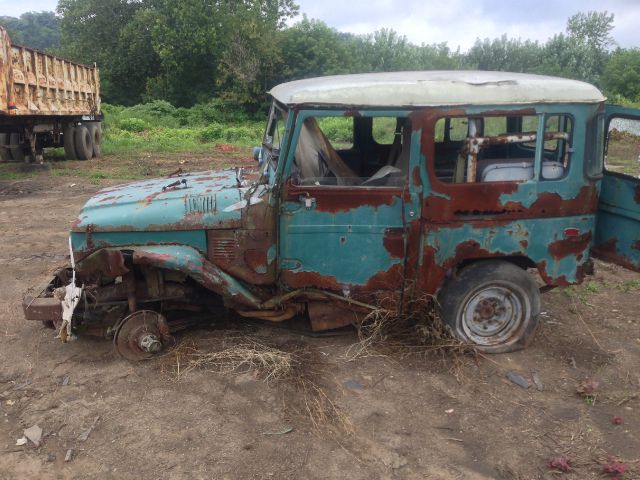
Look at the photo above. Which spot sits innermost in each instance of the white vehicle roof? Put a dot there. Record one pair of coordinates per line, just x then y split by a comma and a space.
434, 88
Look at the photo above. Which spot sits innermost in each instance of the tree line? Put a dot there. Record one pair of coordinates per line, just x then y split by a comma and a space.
190, 51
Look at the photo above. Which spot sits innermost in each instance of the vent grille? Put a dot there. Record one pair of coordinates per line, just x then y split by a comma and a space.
200, 204
222, 247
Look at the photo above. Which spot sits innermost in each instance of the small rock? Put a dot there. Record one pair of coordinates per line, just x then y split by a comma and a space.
353, 385
537, 382
616, 420
85, 435
51, 457
21, 441
518, 379
34, 434
69, 455
65, 381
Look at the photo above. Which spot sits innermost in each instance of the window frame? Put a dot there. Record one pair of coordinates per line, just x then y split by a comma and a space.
537, 164
302, 115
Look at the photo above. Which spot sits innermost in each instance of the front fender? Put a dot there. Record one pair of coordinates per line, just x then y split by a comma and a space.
179, 258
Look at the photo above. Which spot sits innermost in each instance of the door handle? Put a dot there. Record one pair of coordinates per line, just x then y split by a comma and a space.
308, 202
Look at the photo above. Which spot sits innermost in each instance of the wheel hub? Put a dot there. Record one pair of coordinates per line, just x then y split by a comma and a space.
141, 335
491, 314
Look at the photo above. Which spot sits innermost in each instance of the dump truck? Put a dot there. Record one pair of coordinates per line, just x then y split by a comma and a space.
46, 101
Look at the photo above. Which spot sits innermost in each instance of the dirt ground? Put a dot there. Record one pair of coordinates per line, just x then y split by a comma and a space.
428, 416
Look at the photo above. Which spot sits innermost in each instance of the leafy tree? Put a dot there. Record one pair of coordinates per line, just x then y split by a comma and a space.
622, 73
583, 52
39, 30
250, 63
504, 54
310, 48
95, 31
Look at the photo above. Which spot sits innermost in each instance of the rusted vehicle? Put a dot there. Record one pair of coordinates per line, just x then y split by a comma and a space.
46, 101
374, 191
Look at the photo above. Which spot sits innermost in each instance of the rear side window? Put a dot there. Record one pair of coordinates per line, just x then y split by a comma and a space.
485, 148
595, 147
623, 146
500, 148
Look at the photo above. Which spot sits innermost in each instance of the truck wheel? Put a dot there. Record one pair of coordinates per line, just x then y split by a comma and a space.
493, 305
95, 130
17, 153
83, 143
5, 155
68, 142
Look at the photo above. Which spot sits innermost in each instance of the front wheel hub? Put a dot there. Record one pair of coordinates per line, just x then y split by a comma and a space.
141, 335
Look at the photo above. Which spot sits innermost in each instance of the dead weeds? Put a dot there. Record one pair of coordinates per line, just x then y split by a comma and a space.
419, 333
291, 369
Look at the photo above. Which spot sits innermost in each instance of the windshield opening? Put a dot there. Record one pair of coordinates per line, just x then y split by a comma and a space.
273, 137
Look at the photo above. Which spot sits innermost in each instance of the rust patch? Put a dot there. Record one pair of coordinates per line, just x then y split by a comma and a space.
524, 243
352, 113
560, 281
470, 199
608, 251
109, 262
327, 316
637, 194
415, 176
636, 245
256, 260
570, 246
393, 242
343, 199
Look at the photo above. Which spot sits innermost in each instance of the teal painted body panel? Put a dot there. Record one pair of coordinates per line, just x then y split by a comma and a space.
192, 238
618, 228
347, 247
203, 200
541, 241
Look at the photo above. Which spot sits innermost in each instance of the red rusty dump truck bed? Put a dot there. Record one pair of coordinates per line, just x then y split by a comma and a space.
46, 101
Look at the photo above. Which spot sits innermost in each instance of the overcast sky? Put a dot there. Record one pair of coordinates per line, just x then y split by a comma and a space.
458, 22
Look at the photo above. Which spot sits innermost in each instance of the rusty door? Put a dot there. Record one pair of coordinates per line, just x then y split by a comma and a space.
618, 223
349, 238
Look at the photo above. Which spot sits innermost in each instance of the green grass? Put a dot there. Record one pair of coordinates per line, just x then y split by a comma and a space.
160, 127
8, 172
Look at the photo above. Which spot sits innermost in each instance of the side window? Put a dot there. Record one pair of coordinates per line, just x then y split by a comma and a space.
557, 152
623, 146
327, 154
486, 149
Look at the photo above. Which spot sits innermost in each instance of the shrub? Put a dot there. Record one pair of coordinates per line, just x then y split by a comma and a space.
211, 133
133, 125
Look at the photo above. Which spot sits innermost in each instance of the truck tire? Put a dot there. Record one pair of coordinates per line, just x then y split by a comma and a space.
83, 143
492, 305
95, 130
17, 153
68, 142
5, 155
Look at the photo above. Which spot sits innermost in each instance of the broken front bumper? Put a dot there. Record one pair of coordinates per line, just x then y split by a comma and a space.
41, 305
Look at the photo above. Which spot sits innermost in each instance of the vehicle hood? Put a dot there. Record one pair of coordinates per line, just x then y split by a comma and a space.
193, 201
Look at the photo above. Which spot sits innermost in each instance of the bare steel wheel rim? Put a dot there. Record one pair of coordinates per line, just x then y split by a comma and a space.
495, 314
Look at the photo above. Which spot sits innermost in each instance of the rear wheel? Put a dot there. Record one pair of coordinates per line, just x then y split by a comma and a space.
68, 142
5, 155
83, 143
17, 152
95, 130
493, 305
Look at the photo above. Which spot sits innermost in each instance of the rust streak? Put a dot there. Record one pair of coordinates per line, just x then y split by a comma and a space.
570, 246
